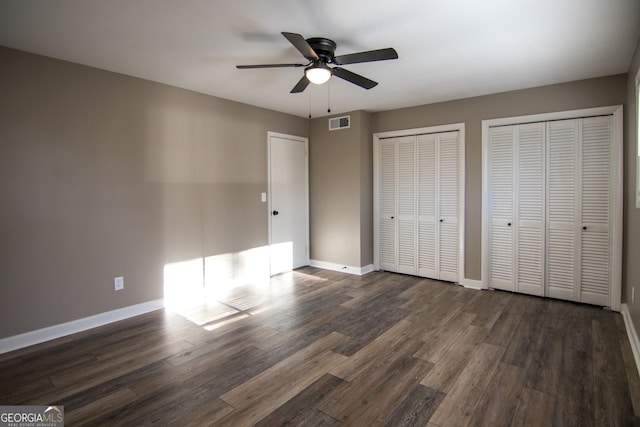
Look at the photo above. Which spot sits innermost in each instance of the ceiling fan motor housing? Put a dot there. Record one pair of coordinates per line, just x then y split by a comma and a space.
324, 48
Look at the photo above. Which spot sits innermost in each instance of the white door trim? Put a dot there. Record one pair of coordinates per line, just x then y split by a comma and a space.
617, 184
460, 127
304, 140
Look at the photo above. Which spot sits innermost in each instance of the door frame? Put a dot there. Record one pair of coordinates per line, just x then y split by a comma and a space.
296, 139
616, 189
460, 127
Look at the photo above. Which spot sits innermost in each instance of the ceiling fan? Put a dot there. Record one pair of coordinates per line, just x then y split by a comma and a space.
319, 51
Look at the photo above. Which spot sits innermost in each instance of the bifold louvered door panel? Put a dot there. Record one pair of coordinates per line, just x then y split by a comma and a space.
550, 208
426, 187
427, 206
501, 177
448, 205
530, 204
595, 267
387, 204
406, 205
563, 249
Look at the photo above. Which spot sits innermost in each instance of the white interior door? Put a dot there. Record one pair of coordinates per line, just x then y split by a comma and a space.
288, 202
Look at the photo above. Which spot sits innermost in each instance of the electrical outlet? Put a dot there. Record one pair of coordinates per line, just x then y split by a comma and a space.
118, 283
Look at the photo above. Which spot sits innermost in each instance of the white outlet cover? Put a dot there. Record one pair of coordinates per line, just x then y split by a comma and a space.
118, 283
263, 197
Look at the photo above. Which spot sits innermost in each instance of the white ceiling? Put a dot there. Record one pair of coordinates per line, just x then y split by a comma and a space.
448, 49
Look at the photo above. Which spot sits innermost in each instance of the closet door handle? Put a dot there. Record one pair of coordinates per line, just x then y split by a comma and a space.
274, 213
584, 227
442, 220
392, 217
509, 224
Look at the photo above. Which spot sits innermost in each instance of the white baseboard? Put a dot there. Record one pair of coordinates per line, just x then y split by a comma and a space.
631, 334
358, 271
472, 284
52, 332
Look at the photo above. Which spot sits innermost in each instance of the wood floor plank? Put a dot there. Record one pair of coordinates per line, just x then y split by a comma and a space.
534, 409
545, 361
487, 306
301, 409
381, 403
506, 324
267, 391
96, 408
451, 365
458, 407
342, 402
499, 402
362, 360
455, 332
207, 414
519, 349
417, 408
574, 399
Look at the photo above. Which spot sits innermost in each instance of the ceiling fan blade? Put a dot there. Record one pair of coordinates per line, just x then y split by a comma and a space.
301, 85
354, 78
301, 44
368, 56
246, 67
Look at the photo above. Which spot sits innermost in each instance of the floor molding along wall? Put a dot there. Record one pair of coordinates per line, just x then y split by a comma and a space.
57, 331
358, 271
631, 334
473, 284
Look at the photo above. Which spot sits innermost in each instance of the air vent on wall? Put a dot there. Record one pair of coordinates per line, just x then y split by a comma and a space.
343, 122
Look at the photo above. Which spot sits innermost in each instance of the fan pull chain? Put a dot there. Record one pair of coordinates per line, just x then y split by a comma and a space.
329, 96
309, 92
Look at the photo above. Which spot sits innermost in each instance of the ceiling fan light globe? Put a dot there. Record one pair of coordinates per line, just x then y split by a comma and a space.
318, 74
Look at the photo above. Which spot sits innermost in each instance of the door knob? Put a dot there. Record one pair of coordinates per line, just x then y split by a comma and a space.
442, 220
584, 228
509, 224
275, 213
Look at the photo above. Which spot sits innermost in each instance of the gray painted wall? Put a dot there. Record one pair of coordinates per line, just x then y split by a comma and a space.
103, 175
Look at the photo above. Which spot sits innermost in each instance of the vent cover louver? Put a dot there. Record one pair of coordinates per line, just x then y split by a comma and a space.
343, 122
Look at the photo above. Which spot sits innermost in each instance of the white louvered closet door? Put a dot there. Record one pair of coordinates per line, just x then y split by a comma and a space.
406, 205
530, 202
563, 248
596, 213
387, 204
557, 180
427, 206
419, 203
501, 235
447, 204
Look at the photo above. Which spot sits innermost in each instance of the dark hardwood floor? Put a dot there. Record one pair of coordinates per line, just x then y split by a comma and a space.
316, 347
